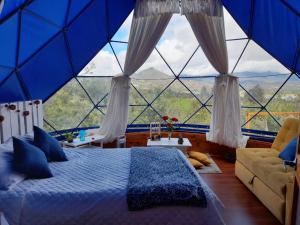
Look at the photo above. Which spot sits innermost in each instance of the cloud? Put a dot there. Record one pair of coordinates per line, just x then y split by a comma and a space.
177, 45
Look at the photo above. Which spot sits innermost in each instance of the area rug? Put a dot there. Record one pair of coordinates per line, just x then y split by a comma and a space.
212, 168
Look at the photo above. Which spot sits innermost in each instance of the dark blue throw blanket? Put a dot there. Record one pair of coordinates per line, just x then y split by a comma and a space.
161, 176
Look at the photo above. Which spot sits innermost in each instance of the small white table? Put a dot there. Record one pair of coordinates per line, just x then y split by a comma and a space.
88, 140
172, 143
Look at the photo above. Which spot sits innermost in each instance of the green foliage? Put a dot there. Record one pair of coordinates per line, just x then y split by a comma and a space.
71, 104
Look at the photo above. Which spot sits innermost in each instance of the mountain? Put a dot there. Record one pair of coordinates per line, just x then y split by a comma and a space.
268, 80
151, 74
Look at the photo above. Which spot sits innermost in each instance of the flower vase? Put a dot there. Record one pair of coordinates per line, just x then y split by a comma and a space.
169, 135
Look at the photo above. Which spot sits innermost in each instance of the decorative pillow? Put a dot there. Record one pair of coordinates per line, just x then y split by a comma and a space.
196, 163
8, 177
7, 146
289, 152
49, 145
203, 158
30, 161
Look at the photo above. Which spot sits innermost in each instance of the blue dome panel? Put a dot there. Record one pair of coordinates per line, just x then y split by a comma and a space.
114, 19
56, 39
10, 6
274, 32
11, 90
8, 42
4, 72
57, 14
85, 41
48, 70
34, 34
76, 7
240, 11
272, 24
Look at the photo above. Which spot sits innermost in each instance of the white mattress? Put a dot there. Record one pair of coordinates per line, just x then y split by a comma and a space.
91, 189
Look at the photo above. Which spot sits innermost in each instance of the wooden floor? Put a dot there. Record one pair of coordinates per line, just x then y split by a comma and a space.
241, 206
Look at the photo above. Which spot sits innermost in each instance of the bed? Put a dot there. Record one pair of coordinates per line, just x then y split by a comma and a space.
91, 188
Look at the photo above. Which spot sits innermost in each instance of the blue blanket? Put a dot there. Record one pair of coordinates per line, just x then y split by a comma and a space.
161, 176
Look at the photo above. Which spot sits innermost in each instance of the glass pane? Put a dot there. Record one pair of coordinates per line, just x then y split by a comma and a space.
47, 127
67, 107
177, 43
103, 64
94, 119
148, 116
235, 49
96, 87
262, 87
201, 117
199, 66
134, 112
176, 101
201, 87
262, 121
120, 51
287, 101
256, 61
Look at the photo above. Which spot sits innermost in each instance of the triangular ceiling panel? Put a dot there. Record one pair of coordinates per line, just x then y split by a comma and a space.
4, 72
41, 8
76, 7
56, 39
47, 75
8, 41
85, 41
34, 34
11, 89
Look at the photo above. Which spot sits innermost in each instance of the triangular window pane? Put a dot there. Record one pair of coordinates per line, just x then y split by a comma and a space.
178, 43
67, 107
199, 66
96, 87
257, 60
103, 64
176, 101
286, 103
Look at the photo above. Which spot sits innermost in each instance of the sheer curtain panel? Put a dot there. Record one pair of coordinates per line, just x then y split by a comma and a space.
207, 22
144, 34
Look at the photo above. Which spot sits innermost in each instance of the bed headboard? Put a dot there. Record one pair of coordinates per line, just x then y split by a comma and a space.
18, 118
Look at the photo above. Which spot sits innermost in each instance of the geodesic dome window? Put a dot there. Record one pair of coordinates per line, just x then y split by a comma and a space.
177, 79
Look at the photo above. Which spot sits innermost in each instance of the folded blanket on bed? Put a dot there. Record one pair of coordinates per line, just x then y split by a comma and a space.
161, 176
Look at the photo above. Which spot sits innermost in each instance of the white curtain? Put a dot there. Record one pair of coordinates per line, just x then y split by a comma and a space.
207, 22
208, 27
225, 128
144, 34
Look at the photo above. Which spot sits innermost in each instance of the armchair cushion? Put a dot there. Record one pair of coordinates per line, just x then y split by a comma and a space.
268, 167
288, 131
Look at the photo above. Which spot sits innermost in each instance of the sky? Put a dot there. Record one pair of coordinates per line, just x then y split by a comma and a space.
178, 44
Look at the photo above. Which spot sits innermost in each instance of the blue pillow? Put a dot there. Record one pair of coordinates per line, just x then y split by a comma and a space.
8, 177
49, 145
289, 152
30, 161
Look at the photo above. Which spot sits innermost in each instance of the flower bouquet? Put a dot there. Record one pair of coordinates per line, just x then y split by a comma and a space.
170, 123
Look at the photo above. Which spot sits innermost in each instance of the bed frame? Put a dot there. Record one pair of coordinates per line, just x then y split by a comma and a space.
18, 118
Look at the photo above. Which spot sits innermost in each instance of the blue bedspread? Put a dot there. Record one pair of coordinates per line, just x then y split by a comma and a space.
161, 176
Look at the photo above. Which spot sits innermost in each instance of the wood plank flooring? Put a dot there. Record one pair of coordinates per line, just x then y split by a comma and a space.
241, 206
